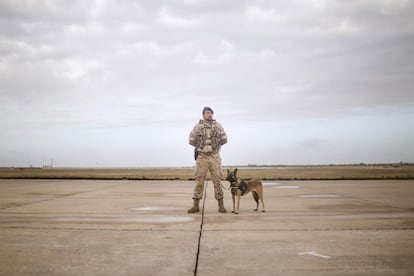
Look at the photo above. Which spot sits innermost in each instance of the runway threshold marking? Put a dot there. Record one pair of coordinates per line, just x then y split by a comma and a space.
314, 253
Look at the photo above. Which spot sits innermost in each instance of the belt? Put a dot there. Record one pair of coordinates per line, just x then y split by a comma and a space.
207, 153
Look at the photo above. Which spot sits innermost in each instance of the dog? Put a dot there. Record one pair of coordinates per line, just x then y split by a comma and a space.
242, 187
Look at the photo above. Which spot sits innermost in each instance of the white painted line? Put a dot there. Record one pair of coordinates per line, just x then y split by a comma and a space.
313, 253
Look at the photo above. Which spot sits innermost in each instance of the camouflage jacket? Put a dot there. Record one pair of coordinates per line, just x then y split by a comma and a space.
208, 136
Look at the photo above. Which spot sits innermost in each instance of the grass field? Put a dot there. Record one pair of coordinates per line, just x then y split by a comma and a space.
353, 172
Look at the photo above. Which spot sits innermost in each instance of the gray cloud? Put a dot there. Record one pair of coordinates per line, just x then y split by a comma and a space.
147, 64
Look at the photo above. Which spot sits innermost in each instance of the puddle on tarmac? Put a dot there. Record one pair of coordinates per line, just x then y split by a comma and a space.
287, 187
160, 219
135, 219
154, 208
320, 196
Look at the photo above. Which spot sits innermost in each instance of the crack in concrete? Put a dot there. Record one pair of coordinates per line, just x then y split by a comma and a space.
201, 229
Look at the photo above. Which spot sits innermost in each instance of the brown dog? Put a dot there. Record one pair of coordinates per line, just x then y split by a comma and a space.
242, 187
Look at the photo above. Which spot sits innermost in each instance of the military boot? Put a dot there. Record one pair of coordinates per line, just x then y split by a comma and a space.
195, 208
221, 206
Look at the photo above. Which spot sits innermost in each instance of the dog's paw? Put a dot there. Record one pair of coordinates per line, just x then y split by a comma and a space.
255, 209
263, 211
233, 211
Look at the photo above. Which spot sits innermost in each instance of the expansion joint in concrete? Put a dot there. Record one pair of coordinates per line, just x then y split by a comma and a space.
201, 229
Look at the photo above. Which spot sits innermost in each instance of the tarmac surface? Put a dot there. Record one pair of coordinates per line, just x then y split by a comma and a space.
87, 227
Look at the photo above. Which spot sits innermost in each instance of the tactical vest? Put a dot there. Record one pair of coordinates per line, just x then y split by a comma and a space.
208, 137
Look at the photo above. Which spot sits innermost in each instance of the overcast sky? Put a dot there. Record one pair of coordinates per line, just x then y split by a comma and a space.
122, 83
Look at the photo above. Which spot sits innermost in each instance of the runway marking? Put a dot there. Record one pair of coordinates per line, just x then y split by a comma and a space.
313, 253
286, 187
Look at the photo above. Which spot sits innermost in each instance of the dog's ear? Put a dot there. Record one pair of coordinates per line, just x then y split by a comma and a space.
228, 171
235, 171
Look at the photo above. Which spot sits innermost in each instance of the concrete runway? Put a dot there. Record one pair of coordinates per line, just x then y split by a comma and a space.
73, 227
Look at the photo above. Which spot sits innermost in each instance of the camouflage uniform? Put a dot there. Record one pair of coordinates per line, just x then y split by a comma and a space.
207, 136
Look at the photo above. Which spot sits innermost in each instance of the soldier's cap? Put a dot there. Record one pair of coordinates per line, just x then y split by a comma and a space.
208, 109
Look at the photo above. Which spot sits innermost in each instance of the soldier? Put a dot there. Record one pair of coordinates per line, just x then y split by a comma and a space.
207, 137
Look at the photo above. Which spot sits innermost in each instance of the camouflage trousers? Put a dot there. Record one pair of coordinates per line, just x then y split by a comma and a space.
208, 163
